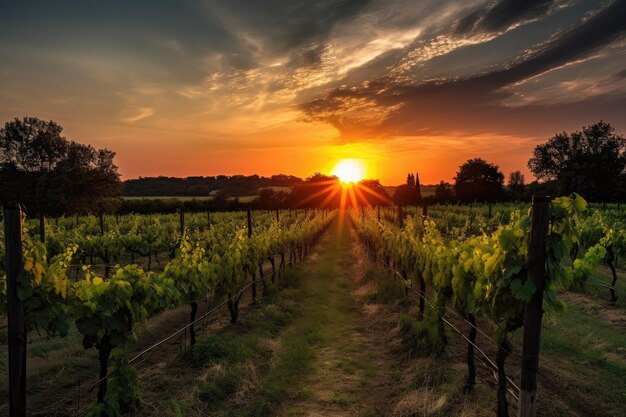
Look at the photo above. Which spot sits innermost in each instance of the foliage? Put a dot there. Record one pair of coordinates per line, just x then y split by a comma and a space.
206, 263
590, 162
47, 173
43, 287
480, 274
478, 180
515, 186
409, 193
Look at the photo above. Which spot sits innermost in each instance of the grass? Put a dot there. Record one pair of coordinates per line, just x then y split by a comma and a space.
252, 368
326, 304
50, 361
388, 289
589, 354
603, 274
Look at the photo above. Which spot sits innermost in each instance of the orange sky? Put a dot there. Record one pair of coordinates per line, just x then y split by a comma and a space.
245, 87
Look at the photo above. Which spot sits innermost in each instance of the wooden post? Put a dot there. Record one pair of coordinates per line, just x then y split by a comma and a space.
400, 215
425, 213
208, 220
533, 310
42, 228
249, 213
277, 217
101, 224
362, 214
182, 221
15, 312
378, 213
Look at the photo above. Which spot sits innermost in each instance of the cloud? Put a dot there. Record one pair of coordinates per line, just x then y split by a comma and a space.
620, 75
475, 102
137, 114
505, 14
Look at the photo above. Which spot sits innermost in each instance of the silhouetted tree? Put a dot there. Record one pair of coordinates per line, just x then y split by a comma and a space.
318, 190
418, 188
49, 174
409, 193
478, 180
516, 185
372, 193
591, 162
323, 191
444, 193
270, 199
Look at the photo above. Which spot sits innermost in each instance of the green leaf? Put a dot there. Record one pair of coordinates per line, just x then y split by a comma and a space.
522, 290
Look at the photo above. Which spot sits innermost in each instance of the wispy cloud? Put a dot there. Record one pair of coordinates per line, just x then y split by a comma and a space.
135, 115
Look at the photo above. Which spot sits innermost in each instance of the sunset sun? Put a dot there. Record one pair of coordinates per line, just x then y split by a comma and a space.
349, 170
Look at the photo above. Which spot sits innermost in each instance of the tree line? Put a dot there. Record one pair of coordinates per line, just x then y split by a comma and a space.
49, 174
590, 162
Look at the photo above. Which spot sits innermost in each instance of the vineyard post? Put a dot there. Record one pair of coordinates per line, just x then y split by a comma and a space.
208, 220
399, 215
101, 224
378, 213
533, 309
15, 312
182, 221
42, 228
425, 210
277, 217
249, 215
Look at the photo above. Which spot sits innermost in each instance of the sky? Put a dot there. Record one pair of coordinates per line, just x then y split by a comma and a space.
184, 88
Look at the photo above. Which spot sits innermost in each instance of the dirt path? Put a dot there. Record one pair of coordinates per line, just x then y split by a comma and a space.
351, 372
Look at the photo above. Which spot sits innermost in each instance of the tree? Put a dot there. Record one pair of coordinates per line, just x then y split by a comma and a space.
444, 193
409, 193
591, 163
324, 191
48, 174
418, 189
478, 180
318, 190
269, 199
516, 185
372, 192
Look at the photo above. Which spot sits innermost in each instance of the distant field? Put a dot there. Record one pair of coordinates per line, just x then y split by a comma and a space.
427, 190
169, 197
244, 199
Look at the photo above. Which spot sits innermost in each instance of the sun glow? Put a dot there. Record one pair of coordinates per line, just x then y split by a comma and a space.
349, 170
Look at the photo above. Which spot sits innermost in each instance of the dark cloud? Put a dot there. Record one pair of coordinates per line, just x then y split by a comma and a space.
472, 103
503, 14
298, 27
620, 75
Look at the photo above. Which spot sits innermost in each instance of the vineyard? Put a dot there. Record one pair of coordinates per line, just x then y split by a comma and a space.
95, 285
475, 263
211, 259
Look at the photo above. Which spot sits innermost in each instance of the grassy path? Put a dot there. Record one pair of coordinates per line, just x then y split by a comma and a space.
306, 350
348, 373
